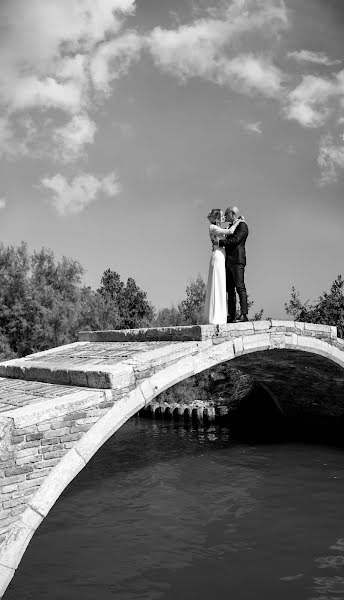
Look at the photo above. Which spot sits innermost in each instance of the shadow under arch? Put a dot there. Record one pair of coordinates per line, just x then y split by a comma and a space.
305, 387
75, 460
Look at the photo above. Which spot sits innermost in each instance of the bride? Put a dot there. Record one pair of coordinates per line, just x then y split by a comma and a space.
215, 310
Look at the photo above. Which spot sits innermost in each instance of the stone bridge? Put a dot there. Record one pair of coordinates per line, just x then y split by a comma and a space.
58, 407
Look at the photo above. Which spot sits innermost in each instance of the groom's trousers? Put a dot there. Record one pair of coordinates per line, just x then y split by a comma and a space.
235, 281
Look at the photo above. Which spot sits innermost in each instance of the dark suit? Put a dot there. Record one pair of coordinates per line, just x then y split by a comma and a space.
235, 269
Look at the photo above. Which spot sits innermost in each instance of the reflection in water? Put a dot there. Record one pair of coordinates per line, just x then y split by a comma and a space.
165, 511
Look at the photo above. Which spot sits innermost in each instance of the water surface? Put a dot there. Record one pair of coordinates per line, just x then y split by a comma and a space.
173, 512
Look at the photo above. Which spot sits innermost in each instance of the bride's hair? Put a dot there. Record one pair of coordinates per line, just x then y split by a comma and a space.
214, 215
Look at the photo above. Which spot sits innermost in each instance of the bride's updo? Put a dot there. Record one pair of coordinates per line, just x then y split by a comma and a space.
214, 215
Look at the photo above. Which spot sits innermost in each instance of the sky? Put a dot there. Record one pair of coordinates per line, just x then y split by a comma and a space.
123, 122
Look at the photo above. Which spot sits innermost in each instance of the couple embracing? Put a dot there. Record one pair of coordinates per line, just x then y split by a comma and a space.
228, 233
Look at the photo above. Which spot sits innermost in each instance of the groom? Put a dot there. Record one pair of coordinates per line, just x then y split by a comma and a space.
235, 265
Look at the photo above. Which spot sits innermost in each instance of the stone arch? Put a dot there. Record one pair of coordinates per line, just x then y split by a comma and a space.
75, 459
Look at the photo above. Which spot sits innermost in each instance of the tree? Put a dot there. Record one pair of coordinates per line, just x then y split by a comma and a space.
14, 289
128, 301
56, 293
328, 309
39, 299
111, 286
191, 309
95, 313
5, 350
138, 311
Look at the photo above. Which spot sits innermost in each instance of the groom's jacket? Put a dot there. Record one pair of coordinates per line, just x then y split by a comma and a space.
235, 245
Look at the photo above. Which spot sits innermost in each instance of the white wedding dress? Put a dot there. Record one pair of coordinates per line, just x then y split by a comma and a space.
215, 309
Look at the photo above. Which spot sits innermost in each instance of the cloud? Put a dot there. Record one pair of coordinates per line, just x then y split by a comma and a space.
330, 159
249, 74
252, 127
32, 92
215, 48
47, 48
72, 198
317, 101
2, 203
71, 139
47, 65
310, 102
318, 58
12, 144
112, 59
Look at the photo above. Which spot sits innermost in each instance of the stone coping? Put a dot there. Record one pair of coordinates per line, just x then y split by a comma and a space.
198, 332
52, 407
133, 355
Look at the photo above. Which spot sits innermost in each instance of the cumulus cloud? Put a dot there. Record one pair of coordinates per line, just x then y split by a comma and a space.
318, 58
252, 127
330, 159
71, 139
310, 102
46, 51
71, 198
63, 56
45, 47
214, 48
251, 74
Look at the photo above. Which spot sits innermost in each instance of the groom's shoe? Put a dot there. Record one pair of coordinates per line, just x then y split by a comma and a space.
242, 319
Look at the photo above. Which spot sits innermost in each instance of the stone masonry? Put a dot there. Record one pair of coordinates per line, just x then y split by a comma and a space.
58, 407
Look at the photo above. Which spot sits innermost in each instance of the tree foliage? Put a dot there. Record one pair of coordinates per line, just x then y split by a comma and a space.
128, 300
168, 317
328, 309
192, 307
38, 299
44, 303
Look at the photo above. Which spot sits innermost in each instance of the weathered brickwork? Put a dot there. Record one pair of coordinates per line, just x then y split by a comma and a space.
28, 454
58, 407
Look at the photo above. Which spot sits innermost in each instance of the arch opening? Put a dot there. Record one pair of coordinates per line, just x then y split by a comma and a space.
267, 396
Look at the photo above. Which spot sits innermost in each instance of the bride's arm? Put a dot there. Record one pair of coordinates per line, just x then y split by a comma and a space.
219, 231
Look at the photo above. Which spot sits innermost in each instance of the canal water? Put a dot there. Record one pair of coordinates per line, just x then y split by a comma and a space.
167, 512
